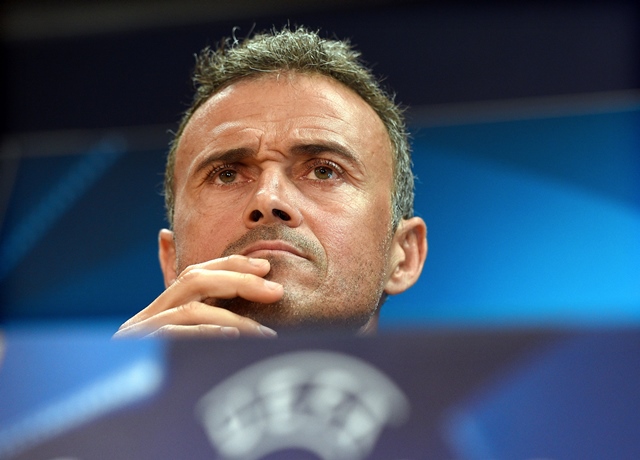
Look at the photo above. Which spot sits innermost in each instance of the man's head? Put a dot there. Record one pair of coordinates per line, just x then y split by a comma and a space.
304, 52
291, 152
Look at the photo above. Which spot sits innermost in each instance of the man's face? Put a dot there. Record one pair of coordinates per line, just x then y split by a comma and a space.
295, 169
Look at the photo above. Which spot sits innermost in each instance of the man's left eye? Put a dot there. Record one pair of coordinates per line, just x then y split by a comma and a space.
323, 172
227, 176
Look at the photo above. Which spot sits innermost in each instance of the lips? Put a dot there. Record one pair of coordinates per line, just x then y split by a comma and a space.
261, 248
278, 241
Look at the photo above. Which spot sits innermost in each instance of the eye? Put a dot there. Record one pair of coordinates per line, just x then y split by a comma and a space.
323, 172
224, 174
227, 176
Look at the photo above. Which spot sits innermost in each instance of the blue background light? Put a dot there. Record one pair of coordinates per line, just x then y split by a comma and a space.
531, 222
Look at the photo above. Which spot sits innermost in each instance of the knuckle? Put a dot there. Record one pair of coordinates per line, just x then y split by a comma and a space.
206, 329
189, 274
246, 278
163, 331
188, 309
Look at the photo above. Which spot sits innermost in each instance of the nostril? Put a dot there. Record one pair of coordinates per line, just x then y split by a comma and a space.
281, 215
255, 216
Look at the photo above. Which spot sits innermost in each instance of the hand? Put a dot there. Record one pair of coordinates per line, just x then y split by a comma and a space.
180, 310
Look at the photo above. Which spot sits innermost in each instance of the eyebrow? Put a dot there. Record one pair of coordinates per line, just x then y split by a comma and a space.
228, 156
239, 154
324, 147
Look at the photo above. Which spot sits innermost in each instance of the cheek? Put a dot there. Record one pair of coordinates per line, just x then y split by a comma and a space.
354, 228
203, 232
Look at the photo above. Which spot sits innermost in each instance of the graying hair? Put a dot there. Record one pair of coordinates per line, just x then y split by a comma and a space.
302, 51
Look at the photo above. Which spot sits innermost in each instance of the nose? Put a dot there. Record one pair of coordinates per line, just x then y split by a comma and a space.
272, 202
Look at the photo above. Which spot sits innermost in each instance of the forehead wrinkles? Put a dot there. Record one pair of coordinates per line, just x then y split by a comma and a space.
338, 110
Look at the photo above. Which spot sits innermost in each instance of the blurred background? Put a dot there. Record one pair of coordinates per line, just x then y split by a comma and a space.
525, 121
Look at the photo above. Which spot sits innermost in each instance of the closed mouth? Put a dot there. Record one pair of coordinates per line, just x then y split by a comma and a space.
270, 247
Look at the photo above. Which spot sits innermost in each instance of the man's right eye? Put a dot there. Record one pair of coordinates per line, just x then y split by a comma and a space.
223, 174
227, 176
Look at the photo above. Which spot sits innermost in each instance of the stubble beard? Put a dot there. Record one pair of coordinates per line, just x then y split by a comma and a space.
346, 305
341, 303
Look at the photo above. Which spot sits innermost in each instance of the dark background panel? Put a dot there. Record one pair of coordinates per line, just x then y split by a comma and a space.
429, 52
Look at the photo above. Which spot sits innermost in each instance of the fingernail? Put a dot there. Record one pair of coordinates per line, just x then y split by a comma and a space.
267, 332
271, 285
258, 262
230, 332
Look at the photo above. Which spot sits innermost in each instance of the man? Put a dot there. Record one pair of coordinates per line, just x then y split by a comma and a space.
290, 196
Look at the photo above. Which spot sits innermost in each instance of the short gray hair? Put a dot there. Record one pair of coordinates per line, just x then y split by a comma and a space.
303, 51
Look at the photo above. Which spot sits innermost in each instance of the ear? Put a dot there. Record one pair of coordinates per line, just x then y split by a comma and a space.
408, 253
167, 256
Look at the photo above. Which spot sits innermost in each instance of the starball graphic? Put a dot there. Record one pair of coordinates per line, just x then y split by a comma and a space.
329, 404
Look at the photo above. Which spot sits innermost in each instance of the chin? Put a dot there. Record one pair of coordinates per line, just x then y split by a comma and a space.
288, 319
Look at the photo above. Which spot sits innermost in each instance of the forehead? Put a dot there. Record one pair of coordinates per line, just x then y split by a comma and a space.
286, 106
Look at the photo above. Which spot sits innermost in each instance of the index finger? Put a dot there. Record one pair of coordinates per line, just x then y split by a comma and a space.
197, 284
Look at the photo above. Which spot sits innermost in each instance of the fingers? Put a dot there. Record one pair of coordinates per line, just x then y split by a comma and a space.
180, 310
196, 331
234, 276
233, 263
196, 319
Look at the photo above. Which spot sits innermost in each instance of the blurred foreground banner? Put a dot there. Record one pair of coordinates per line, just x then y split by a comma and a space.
479, 394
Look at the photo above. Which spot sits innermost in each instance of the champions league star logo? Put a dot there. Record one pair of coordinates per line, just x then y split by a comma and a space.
326, 403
